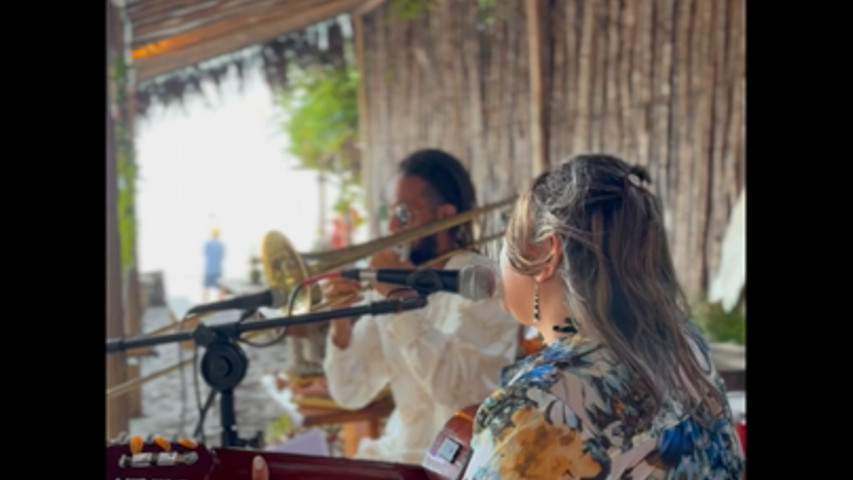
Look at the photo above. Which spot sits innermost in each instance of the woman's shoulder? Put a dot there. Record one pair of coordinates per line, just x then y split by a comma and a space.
576, 355
548, 411
543, 379
578, 386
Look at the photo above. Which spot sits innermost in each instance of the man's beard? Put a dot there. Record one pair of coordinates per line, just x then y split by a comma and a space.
425, 250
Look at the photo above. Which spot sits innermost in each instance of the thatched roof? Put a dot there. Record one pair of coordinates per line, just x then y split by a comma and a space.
177, 44
319, 44
168, 35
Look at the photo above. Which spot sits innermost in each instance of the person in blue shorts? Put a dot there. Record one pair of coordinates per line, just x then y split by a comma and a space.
214, 252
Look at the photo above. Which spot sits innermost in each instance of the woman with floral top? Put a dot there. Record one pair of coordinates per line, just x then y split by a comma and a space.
625, 387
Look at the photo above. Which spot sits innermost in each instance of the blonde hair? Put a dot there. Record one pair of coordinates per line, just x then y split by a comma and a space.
620, 282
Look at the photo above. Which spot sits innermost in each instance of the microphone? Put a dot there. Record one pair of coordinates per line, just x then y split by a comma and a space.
474, 282
272, 298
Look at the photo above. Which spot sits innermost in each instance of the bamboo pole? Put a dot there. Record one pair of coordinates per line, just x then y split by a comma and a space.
535, 42
363, 123
116, 365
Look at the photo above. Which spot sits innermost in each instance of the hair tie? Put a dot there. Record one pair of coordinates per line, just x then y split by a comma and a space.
634, 180
637, 176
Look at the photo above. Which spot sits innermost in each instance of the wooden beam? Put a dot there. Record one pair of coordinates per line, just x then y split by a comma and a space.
153, 7
238, 34
132, 301
166, 25
116, 364
367, 6
176, 14
181, 34
140, 352
535, 10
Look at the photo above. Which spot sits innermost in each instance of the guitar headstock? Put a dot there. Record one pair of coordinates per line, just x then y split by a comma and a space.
157, 458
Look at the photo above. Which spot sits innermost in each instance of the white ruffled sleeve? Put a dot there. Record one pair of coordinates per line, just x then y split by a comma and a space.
358, 373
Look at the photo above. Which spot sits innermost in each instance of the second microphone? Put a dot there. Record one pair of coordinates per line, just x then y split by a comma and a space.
474, 282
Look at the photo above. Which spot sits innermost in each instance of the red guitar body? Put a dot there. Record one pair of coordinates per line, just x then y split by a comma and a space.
445, 460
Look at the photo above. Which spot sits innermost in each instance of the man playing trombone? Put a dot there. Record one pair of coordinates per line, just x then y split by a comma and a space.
436, 360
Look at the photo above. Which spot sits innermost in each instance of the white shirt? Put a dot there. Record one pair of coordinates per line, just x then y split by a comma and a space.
437, 360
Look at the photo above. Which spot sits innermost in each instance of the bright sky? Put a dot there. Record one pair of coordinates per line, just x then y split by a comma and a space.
222, 163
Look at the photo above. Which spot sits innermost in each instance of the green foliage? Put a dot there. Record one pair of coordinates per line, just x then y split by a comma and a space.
280, 428
719, 325
490, 11
126, 169
349, 196
486, 12
411, 9
323, 120
321, 104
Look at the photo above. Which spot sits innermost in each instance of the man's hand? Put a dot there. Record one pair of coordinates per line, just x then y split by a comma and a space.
387, 259
335, 288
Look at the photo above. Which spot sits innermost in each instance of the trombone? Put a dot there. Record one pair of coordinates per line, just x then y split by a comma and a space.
285, 268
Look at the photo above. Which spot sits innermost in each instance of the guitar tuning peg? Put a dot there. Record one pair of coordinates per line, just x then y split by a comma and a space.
163, 443
188, 443
136, 444
120, 439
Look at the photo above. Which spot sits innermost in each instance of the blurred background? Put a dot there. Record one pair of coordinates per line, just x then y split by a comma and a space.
250, 116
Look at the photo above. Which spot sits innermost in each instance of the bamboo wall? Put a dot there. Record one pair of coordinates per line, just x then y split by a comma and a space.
438, 82
657, 82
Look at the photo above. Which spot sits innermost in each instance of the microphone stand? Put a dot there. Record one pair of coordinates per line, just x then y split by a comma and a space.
224, 364
199, 428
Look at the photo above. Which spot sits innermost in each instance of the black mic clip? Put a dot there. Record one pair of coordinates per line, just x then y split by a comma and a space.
203, 335
425, 282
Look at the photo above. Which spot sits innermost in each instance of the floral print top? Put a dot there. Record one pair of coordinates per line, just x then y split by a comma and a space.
570, 412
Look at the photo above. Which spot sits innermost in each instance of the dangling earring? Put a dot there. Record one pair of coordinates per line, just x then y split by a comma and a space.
536, 303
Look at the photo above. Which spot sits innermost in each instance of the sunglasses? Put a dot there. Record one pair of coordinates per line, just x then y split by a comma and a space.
403, 213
